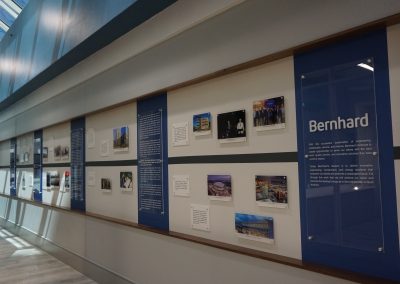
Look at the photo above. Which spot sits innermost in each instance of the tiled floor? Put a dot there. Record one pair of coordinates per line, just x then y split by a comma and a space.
20, 262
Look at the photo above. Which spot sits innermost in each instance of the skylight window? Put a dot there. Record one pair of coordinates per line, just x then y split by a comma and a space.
9, 11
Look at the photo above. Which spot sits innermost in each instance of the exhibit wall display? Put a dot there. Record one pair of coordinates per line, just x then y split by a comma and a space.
24, 173
5, 167
106, 162
246, 194
224, 95
56, 144
25, 149
55, 189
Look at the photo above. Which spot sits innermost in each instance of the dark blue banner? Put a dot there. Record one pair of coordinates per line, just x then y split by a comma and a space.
78, 194
153, 162
13, 167
346, 157
37, 165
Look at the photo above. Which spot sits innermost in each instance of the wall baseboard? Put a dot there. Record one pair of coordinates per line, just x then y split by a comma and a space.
88, 268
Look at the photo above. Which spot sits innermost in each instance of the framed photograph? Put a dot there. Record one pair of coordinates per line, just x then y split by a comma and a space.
45, 152
52, 179
219, 187
202, 124
57, 153
232, 126
106, 184
254, 227
126, 181
121, 139
26, 157
67, 183
271, 191
269, 114
65, 152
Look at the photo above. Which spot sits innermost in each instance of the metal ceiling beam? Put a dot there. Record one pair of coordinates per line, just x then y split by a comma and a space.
8, 9
4, 26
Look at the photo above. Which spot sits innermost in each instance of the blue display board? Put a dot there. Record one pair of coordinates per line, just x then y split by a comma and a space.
13, 167
37, 165
346, 167
153, 162
78, 194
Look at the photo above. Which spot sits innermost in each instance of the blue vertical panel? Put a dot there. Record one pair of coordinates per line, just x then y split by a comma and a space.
346, 167
153, 162
37, 165
78, 194
13, 167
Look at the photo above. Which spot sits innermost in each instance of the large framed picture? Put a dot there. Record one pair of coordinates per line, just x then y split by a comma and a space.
269, 114
254, 227
232, 126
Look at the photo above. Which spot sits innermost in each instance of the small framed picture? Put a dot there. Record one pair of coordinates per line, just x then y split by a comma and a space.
121, 139
232, 126
202, 124
126, 181
219, 187
106, 184
269, 114
271, 191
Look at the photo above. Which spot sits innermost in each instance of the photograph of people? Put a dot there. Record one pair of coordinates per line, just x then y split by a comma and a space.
269, 112
231, 124
126, 181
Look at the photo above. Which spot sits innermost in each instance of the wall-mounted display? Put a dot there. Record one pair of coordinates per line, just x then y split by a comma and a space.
126, 181
52, 179
90, 138
269, 114
181, 185
25, 158
57, 153
254, 227
91, 178
105, 148
202, 124
180, 134
219, 187
232, 126
45, 152
67, 182
65, 152
271, 191
106, 184
200, 217
121, 139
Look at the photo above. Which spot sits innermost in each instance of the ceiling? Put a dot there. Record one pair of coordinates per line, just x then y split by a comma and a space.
9, 11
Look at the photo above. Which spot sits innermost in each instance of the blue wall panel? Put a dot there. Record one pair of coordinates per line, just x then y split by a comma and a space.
351, 225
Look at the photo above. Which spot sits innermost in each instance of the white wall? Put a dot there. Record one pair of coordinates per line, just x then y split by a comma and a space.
117, 203
394, 73
5, 172
5, 153
229, 93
